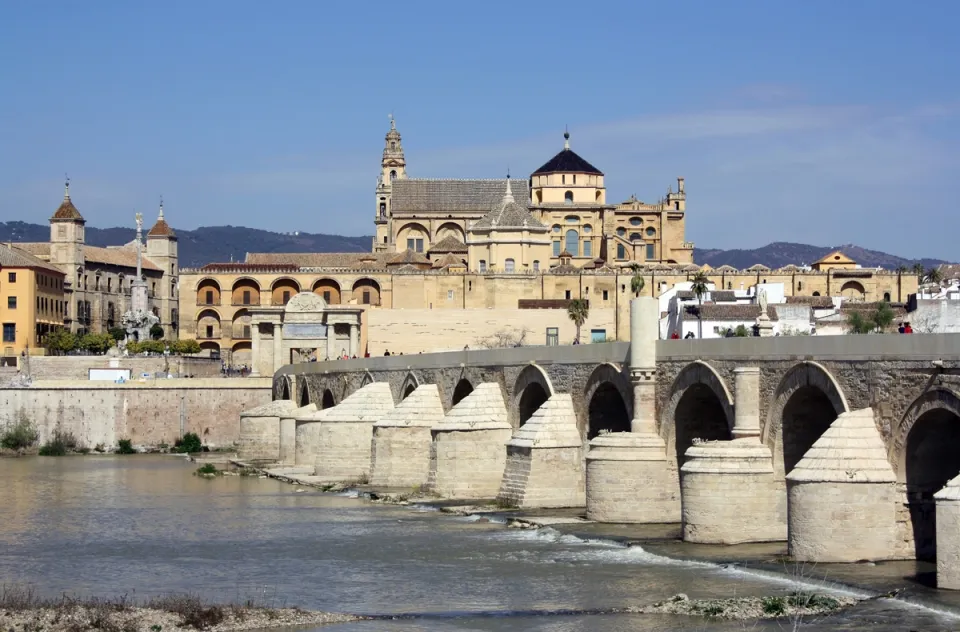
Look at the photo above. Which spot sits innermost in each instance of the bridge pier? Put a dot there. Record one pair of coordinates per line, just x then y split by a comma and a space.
728, 491
842, 495
401, 440
545, 459
346, 433
628, 473
259, 438
467, 454
948, 535
288, 433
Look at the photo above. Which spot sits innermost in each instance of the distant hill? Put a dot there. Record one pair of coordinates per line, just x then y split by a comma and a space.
209, 244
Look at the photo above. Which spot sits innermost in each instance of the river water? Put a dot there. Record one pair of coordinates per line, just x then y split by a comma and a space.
144, 525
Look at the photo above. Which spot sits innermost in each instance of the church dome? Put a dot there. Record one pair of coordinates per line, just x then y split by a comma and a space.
567, 161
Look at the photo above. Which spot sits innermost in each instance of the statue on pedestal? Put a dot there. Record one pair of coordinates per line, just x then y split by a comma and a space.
138, 320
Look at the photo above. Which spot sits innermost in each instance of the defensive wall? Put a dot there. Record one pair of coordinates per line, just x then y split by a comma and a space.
910, 385
147, 412
77, 367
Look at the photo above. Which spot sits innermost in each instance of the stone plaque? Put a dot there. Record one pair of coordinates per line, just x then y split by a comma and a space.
294, 331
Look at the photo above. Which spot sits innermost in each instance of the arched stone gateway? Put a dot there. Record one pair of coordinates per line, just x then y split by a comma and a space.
928, 455
410, 384
327, 401
532, 388
807, 400
461, 390
609, 400
700, 407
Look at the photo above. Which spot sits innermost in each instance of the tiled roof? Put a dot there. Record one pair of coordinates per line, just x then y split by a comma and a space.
161, 229
316, 259
407, 256
712, 311
508, 214
725, 269
850, 451
36, 248
449, 260
567, 161
67, 210
820, 302
14, 257
758, 267
449, 244
123, 256
723, 296
247, 267
443, 196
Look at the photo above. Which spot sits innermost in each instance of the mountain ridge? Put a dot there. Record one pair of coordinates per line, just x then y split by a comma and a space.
218, 244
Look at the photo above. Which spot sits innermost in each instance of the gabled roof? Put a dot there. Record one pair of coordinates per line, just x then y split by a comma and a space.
443, 196
728, 311
834, 257
567, 161
449, 260
407, 256
758, 267
448, 244
725, 269
13, 257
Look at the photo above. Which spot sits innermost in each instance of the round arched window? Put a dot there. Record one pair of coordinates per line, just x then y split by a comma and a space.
556, 228
587, 228
635, 221
568, 197
651, 231
635, 237
621, 232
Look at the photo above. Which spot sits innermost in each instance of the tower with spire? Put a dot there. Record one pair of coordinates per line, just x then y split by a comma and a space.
66, 247
162, 250
393, 166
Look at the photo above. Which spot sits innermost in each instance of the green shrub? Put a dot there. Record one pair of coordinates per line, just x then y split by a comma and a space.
183, 347
812, 600
125, 446
20, 435
774, 605
156, 332
117, 333
741, 332
96, 343
208, 470
53, 448
60, 341
190, 442
59, 444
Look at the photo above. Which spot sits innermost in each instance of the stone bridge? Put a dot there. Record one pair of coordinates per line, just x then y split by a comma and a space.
780, 394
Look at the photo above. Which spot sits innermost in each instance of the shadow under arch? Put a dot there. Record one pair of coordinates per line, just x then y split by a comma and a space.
460, 391
927, 456
700, 406
806, 401
410, 384
327, 400
283, 387
304, 394
531, 389
609, 401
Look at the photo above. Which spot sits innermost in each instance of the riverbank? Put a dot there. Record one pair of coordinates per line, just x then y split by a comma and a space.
22, 609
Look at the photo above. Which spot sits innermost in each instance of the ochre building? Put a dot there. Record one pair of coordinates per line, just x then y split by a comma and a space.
472, 263
32, 302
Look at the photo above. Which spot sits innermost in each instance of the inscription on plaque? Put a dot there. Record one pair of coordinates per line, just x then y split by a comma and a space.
294, 331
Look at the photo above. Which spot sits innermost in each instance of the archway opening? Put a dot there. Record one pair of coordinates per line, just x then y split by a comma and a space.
806, 416
327, 400
532, 398
607, 411
461, 390
284, 389
304, 396
699, 415
410, 388
932, 459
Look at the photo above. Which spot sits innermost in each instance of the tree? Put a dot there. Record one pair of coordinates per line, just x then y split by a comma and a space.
882, 317
699, 287
636, 282
857, 323
741, 332
875, 321
60, 341
933, 275
156, 332
184, 347
902, 269
578, 310
918, 269
96, 343
117, 333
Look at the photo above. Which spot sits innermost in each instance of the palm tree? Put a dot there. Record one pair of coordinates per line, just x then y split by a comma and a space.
918, 269
578, 310
636, 283
902, 269
933, 275
699, 287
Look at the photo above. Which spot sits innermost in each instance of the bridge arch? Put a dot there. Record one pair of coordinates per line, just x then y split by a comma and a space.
410, 384
531, 389
367, 378
304, 394
700, 406
462, 388
283, 388
327, 400
609, 399
927, 453
807, 400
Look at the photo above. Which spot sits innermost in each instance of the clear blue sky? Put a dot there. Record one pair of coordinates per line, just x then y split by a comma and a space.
822, 122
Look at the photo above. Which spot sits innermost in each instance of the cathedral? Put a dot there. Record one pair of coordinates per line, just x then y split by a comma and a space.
559, 215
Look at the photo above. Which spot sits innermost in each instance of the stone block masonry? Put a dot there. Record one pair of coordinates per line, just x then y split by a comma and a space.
260, 430
401, 440
147, 413
346, 432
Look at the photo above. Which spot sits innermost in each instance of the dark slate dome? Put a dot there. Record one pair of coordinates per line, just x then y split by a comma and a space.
567, 161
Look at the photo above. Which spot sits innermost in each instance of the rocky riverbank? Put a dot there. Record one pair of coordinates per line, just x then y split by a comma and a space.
794, 606
21, 609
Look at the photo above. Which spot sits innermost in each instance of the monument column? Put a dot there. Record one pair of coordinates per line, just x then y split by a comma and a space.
255, 349
277, 346
331, 341
354, 339
746, 401
629, 477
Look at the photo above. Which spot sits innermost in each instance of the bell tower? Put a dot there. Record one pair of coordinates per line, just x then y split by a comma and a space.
392, 166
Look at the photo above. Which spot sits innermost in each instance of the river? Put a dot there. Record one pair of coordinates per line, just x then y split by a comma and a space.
144, 525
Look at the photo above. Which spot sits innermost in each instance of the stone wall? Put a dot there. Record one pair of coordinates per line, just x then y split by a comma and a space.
148, 413
77, 367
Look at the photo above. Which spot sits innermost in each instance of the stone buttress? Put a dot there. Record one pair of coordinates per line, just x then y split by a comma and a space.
288, 432
401, 440
259, 438
841, 496
346, 433
948, 535
729, 494
545, 459
467, 454
307, 438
